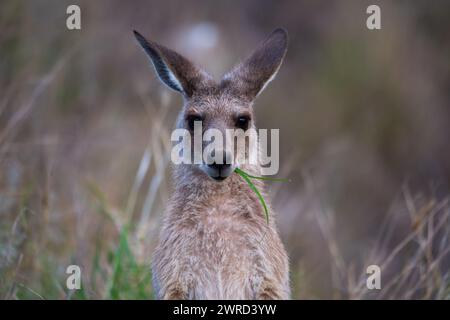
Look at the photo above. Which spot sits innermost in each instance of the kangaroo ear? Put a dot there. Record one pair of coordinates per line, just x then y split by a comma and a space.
173, 69
250, 77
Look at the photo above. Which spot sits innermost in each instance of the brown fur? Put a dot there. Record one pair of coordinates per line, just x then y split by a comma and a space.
215, 242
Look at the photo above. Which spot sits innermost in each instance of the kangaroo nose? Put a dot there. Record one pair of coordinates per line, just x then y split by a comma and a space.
220, 165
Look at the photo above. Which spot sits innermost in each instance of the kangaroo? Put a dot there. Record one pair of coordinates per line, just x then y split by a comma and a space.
215, 242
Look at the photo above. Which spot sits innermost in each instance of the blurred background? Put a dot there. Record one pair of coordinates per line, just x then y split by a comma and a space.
364, 120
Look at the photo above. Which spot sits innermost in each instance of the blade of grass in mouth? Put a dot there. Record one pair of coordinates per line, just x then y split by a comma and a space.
247, 177
263, 178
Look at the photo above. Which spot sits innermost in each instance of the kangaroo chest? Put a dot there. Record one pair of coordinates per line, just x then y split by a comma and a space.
224, 257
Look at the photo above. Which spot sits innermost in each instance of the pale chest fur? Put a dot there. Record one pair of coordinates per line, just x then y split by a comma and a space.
223, 255
218, 247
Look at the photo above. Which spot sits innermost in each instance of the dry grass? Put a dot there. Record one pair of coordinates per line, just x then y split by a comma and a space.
416, 267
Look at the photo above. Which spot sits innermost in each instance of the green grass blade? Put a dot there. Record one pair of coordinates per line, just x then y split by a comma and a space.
252, 186
262, 178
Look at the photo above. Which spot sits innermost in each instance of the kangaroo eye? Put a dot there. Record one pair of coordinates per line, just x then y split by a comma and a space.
242, 122
190, 119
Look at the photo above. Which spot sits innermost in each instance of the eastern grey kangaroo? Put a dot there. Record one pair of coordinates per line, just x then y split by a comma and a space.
215, 242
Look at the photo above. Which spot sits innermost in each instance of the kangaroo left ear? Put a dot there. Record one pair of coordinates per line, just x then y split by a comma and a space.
251, 77
174, 70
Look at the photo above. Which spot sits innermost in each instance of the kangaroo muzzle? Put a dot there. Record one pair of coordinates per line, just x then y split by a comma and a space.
219, 165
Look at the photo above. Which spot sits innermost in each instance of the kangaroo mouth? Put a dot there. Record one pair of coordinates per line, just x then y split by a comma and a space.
220, 175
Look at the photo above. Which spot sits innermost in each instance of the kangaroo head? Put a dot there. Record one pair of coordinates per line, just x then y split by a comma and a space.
227, 104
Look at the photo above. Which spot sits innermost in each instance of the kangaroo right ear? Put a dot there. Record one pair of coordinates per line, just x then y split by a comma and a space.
252, 76
173, 69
